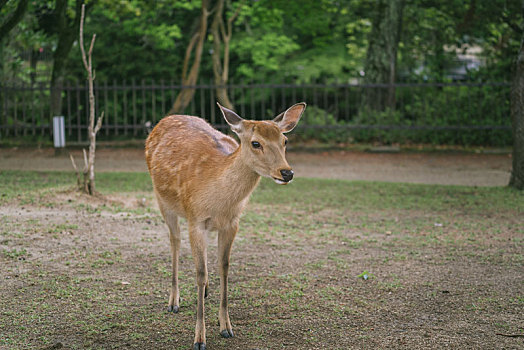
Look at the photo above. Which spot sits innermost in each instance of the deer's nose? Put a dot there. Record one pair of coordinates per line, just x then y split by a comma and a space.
287, 175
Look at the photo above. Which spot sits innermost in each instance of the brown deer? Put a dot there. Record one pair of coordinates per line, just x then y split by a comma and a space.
205, 176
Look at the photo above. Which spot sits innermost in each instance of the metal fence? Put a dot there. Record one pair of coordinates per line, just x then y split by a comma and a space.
129, 107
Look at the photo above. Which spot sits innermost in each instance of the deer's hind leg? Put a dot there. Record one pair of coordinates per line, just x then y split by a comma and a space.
174, 238
225, 242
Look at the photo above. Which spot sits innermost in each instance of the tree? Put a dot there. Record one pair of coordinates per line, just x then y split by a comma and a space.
12, 21
381, 58
66, 27
7, 25
222, 34
517, 118
190, 76
88, 184
148, 31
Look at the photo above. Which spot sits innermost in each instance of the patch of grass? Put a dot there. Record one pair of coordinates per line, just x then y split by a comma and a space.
27, 185
297, 270
359, 196
14, 253
310, 194
115, 182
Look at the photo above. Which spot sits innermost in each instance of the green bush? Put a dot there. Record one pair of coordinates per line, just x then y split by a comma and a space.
318, 124
373, 126
440, 115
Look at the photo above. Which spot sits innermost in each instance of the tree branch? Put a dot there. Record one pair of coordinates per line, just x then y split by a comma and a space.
85, 161
222, 28
190, 78
187, 57
78, 178
14, 19
193, 73
84, 59
92, 44
99, 122
232, 19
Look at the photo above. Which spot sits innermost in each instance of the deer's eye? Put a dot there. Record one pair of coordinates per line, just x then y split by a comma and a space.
255, 144
285, 142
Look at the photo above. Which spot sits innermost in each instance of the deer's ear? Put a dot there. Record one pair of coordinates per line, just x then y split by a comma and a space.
287, 120
233, 119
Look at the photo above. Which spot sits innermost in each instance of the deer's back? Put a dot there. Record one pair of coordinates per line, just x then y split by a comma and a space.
183, 154
181, 133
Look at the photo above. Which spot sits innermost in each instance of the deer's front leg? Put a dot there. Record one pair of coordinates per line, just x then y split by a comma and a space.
225, 242
198, 247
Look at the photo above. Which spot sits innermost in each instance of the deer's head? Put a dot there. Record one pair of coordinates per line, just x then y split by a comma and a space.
263, 143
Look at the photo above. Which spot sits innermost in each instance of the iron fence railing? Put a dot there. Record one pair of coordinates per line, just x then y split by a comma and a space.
131, 106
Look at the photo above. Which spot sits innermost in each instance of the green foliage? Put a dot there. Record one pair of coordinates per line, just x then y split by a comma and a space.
430, 112
326, 63
357, 33
306, 40
289, 41
137, 39
379, 119
315, 117
301, 40
262, 52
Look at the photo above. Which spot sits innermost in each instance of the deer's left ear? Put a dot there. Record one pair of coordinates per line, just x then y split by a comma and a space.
233, 119
287, 120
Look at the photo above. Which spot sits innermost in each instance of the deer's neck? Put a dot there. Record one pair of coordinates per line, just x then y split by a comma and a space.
241, 179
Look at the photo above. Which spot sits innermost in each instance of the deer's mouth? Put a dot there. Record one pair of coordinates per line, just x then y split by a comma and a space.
281, 181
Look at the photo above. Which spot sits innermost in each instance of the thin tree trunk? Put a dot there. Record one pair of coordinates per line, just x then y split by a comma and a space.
222, 34
15, 18
381, 58
517, 119
66, 37
7, 25
33, 64
89, 160
57, 84
190, 79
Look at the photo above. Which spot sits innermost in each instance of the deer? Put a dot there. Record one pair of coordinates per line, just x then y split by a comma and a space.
206, 177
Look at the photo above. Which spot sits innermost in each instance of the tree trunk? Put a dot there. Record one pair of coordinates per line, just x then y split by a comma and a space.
88, 185
57, 81
381, 58
17, 16
222, 34
33, 63
186, 94
517, 120
7, 25
66, 37
91, 188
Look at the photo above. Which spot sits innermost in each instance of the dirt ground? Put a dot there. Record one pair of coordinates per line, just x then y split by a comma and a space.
469, 169
83, 273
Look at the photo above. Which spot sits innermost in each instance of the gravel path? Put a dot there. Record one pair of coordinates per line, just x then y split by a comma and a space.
468, 169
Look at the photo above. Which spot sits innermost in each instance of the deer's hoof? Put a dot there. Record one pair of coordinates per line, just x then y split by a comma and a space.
227, 333
199, 346
173, 308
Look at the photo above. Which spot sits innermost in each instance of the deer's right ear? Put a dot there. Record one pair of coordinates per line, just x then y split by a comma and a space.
233, 119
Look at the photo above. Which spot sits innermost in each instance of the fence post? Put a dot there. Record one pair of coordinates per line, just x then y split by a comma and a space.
58, 133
